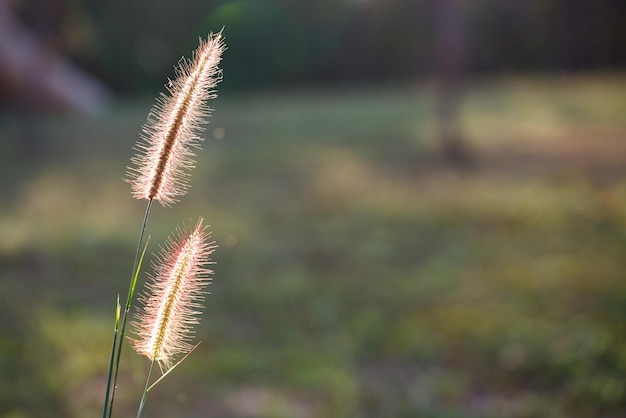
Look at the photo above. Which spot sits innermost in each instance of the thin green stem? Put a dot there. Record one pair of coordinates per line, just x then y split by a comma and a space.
131, 291
110, 372
145, 391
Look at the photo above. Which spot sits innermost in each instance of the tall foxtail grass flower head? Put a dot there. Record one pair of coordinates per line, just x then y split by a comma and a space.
164, 157
174, 294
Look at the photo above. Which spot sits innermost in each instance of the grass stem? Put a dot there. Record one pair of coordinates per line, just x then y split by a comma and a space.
145, 390
131, 292
111, 361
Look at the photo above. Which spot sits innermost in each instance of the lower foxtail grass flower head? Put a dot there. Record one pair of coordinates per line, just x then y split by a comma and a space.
161, 167
174, 297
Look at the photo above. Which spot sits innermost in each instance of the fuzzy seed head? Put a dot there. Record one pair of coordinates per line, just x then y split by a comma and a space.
174, 296
160, 169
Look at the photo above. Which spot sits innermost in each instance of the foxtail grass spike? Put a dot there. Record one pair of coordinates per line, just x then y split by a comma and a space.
160, 170
174, 297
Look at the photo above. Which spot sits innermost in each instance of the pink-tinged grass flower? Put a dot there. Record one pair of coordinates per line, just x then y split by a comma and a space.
173, 301
174, 127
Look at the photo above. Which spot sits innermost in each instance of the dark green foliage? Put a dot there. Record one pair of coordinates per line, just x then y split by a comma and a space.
132, 46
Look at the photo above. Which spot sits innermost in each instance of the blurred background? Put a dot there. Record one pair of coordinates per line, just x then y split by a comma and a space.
420, 206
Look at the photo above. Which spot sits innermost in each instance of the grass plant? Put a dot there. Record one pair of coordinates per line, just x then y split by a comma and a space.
160, 172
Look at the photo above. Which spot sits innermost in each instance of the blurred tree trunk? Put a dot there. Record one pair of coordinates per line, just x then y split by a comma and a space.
32, 69
450, 30
36, 77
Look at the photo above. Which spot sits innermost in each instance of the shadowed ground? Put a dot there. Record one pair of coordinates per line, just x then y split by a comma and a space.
357, 274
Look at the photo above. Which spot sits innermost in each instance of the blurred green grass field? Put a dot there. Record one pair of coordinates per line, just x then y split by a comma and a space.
358, 274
